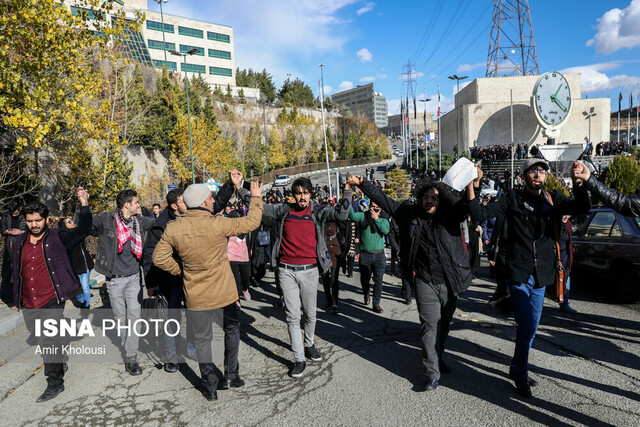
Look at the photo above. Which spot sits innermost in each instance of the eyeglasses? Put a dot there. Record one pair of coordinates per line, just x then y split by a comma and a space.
536, 172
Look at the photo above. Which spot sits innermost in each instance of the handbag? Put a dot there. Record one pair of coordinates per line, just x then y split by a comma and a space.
559, 289
155, 307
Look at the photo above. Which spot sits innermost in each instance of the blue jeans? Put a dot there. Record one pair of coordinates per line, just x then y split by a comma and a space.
527, 309
85, 297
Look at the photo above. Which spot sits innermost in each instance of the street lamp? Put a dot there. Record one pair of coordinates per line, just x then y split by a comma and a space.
186, 82
324, 132
266, 140
164, 43
457, 79
588, 116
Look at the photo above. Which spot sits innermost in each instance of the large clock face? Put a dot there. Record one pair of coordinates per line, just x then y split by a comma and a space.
552, 99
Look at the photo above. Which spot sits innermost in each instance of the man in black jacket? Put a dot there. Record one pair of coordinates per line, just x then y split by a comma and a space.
626, 205
433, 259
530, 257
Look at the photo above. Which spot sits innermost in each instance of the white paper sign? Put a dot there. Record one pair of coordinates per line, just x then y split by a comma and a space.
461, 174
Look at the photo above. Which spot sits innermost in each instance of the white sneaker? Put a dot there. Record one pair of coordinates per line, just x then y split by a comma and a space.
247, 295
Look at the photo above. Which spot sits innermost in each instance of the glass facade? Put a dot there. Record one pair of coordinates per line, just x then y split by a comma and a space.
184, 48
156, 44
75, 11
218, 71
134, 44
193, 68
217, 37
171, 66
157, 26
219, 54
191, 32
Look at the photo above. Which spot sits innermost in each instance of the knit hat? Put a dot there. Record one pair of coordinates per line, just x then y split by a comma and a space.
529, 163
195, 195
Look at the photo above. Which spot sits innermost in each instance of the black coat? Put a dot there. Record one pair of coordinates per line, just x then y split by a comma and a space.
79, 255
530, 245
626, 205
409, 217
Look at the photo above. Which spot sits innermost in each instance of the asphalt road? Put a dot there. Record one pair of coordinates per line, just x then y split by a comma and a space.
587, 366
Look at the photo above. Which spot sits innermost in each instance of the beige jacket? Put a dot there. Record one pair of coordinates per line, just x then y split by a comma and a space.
200, 241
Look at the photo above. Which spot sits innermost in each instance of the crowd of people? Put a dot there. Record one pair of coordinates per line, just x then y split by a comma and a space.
204, 253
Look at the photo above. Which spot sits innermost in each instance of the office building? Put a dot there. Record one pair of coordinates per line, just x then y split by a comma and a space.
364, 100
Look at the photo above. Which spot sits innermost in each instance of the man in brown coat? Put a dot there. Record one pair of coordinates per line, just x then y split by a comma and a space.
200, 241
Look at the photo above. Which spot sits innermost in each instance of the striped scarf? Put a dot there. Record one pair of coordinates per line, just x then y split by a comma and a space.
128, 229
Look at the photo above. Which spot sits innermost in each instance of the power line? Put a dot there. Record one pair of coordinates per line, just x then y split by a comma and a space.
448, 28
429, 29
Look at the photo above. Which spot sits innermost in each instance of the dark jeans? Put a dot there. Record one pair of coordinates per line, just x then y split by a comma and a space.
52, 357
347, 266
372, 264
200, 323
331, 285
527, 308
242, 274
436, 305
174, 294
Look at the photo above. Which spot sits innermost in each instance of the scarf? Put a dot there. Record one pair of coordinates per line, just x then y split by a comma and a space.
128, 229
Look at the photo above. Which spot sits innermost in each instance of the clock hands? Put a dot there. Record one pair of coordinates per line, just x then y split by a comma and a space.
555, 99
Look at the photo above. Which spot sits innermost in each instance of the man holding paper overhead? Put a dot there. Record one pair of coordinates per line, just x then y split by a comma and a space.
433, 260
530, 256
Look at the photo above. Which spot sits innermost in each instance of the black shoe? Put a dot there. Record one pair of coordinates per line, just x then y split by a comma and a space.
566, 308
530, 380
171, 367
334, 309
298, 369
367, 300
132, 367
50, 392
65, 368
226, 384
523, 388
210, 396
281, 302
431, 384
312, 353
445, 368
377, 309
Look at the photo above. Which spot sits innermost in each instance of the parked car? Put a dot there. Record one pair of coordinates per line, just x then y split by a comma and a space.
282, 180
607, 248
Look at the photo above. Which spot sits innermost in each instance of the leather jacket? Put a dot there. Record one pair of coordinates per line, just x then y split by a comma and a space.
626, 205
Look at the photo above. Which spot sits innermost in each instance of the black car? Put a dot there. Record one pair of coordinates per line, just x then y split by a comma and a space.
607, 248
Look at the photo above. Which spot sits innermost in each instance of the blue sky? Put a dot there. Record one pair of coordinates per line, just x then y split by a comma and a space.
364, 41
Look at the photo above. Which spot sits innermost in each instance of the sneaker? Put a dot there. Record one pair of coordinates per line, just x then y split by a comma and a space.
298, 369
312, 353
238, 304
246, 295
566, 308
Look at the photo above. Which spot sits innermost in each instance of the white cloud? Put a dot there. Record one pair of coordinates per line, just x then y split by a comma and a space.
364, 55
465, 68
366, 8
414, 75
276, 35
367, 79
618, 29
345, 85
594, 79
328, 90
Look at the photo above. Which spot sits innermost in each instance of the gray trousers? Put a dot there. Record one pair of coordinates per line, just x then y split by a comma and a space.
300, 288
436, 305
125, 294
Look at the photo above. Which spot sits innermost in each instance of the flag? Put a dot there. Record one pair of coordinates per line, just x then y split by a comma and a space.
438, 100
401, 109
619, 101
415, 109
630, 101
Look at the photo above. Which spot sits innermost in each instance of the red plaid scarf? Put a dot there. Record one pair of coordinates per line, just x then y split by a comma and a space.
126, 230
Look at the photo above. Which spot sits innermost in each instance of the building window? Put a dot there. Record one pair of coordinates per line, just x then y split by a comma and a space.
157, 26
191, 32
98, 16
184, 48
219, 54
193, 68
217, 71
171, 66
155, 44
217, 37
